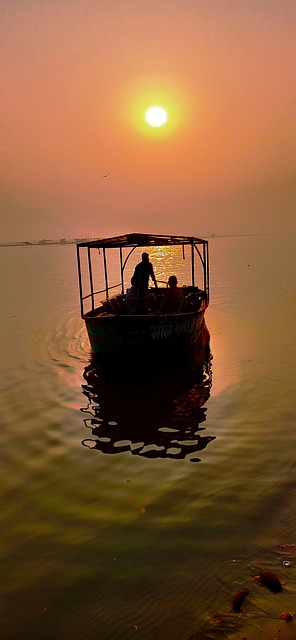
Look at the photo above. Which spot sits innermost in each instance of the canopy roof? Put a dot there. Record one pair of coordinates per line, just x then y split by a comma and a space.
141, 240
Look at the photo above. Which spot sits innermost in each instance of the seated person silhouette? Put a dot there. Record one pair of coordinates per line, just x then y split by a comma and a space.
132, 296
134, 303
172, 297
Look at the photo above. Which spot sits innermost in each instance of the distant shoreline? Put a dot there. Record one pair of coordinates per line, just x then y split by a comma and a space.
44, 243
50, 243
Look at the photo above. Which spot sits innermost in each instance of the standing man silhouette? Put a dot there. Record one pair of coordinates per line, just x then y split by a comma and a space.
144, 271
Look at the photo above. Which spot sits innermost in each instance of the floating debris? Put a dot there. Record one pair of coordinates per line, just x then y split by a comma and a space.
290, 547
238, 599
270, 580
288, 616
217, 624
217, 618
286, 563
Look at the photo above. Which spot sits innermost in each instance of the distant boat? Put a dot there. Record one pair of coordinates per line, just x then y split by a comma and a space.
115, 334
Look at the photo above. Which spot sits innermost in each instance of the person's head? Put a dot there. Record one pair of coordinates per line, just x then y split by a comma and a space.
172, 281
145, 256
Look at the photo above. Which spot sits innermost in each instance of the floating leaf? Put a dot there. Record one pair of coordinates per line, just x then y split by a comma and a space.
270, 580
238, 599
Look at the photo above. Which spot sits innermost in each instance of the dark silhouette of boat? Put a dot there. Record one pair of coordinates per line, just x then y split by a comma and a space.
132, 338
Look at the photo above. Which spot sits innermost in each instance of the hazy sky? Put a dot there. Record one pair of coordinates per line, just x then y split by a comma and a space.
77, 77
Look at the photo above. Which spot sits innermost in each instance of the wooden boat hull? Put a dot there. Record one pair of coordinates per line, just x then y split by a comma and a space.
149, 335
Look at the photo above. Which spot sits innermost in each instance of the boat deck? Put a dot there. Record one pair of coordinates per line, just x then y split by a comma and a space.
193, 300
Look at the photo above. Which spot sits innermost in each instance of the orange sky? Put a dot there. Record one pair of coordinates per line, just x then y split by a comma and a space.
76, 77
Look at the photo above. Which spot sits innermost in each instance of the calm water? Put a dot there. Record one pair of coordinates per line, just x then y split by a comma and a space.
139, 511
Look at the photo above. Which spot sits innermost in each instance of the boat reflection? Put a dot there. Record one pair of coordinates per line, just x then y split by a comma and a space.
152, 418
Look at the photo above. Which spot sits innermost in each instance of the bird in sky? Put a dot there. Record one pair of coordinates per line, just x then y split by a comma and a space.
105, 176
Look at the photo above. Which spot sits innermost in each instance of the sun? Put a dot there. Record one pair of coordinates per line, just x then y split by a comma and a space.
156, 112
156, 116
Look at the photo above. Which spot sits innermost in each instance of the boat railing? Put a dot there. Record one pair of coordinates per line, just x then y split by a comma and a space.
92, 295
115, 305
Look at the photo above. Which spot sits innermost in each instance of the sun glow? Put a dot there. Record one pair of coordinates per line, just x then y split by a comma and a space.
156, 113
156, 116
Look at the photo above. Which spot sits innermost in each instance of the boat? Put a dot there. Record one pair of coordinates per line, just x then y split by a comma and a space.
129, 337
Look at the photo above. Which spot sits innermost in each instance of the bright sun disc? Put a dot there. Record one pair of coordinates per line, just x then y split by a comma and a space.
156, 116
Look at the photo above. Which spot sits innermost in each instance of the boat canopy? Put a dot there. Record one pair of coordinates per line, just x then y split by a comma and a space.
130, 241
141, 240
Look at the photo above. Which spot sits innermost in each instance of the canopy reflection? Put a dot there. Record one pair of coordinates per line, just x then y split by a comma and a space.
155, 417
